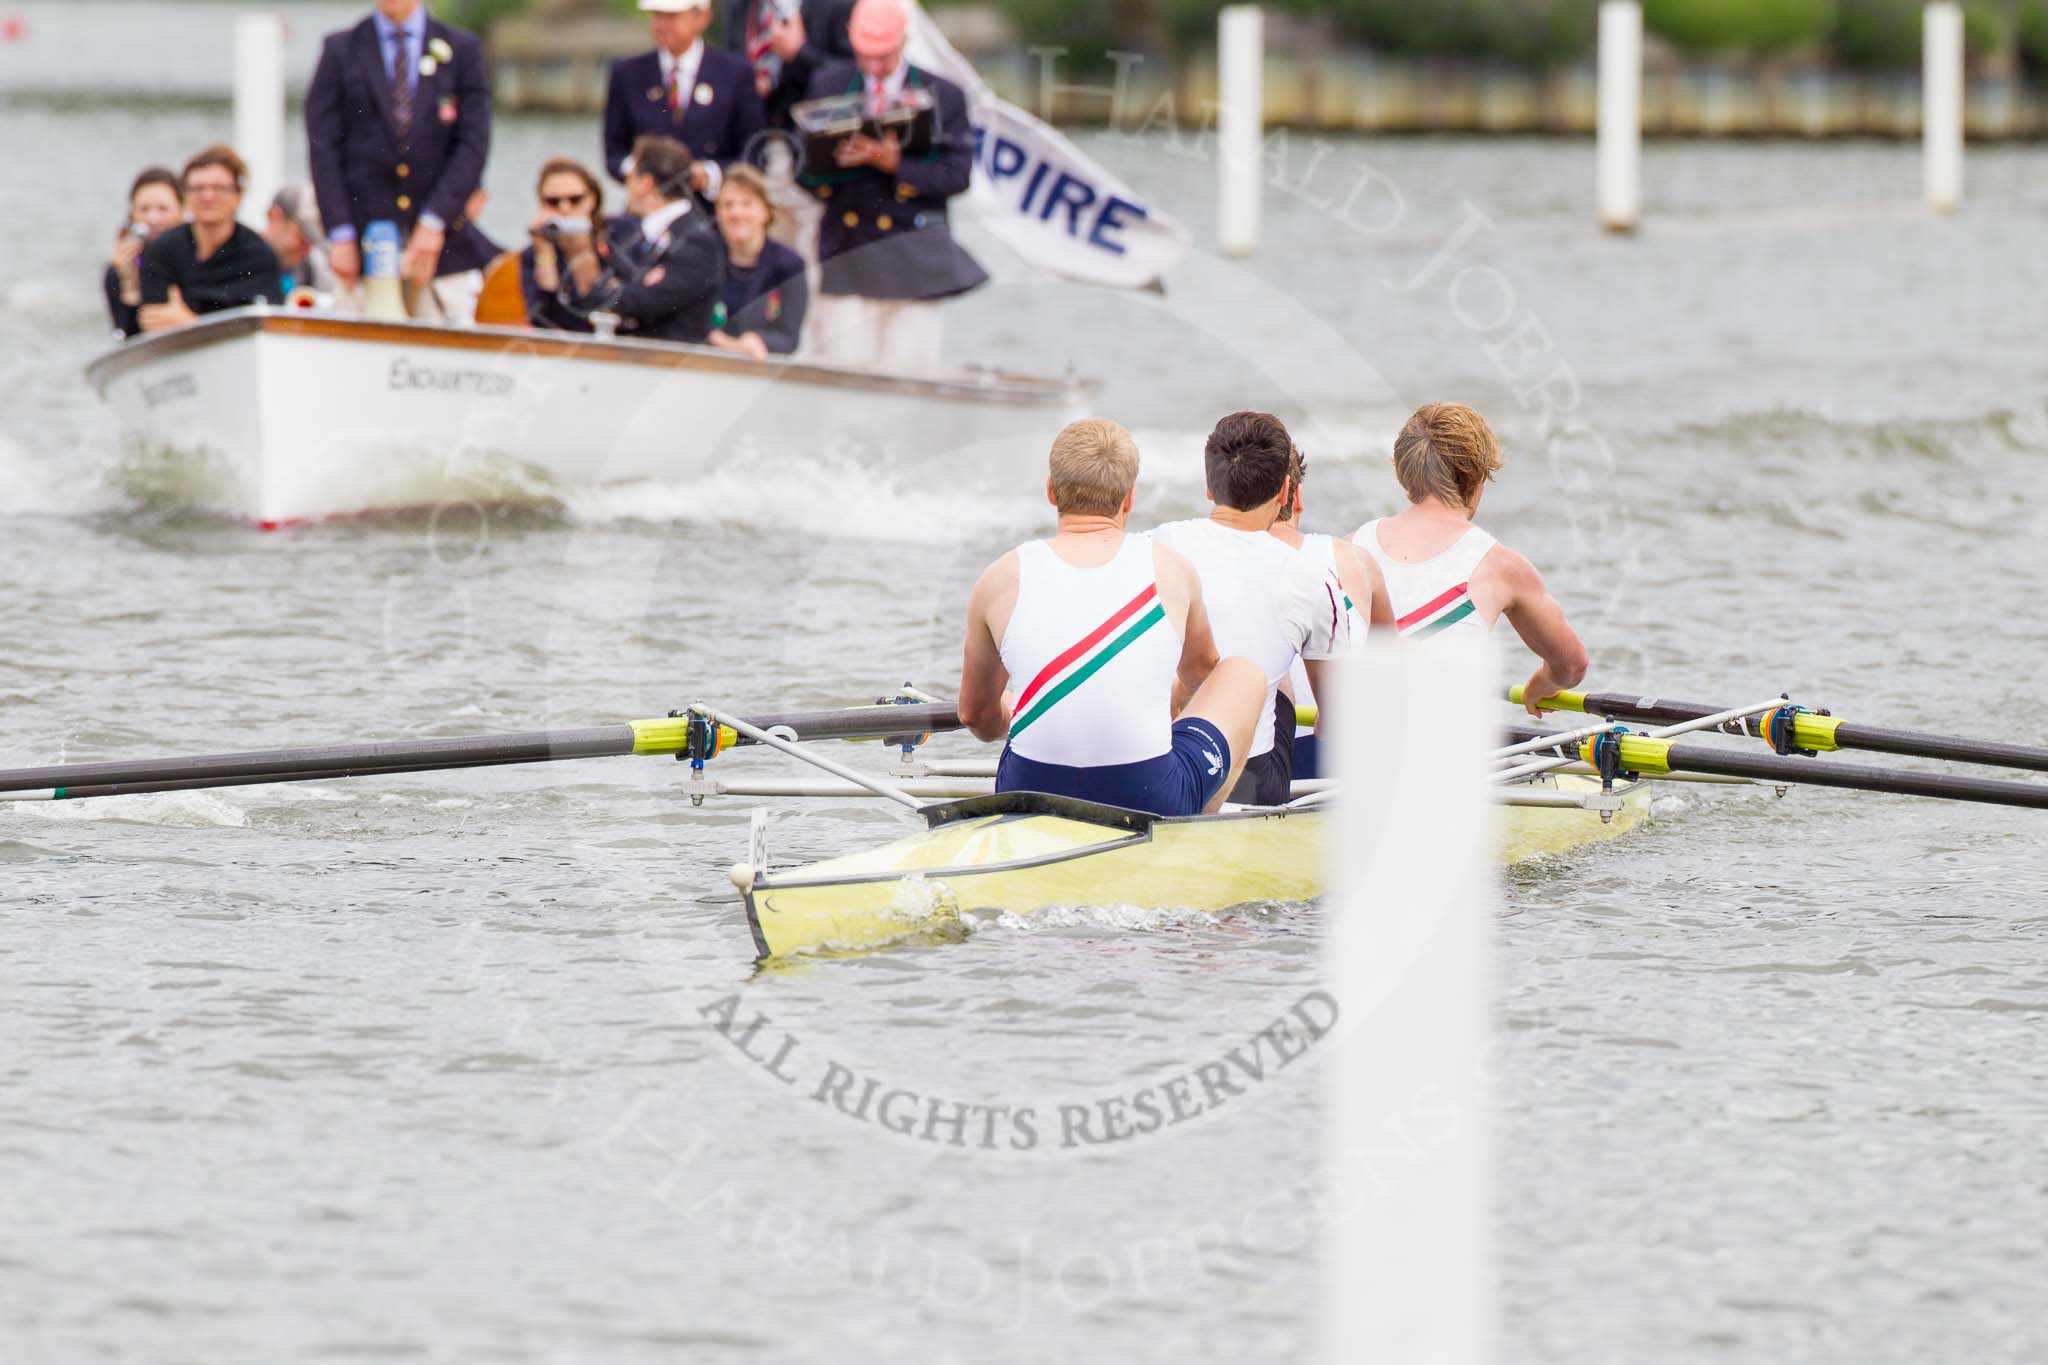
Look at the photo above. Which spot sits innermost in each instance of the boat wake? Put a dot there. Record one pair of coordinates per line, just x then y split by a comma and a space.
167, 810
833, 492
30, 487
1116, 919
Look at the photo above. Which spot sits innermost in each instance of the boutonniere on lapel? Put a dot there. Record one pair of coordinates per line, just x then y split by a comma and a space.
704, 93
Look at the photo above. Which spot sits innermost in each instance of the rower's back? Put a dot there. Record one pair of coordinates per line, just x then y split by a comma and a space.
1101, 625
1443, 573
1430, 554
1267, 601
1429, 571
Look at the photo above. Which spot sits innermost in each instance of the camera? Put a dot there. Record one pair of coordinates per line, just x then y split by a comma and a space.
560, 226
139, 232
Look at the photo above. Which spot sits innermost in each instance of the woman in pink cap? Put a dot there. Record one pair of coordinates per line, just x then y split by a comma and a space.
887, 252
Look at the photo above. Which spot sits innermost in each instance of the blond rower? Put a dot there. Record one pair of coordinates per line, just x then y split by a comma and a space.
1443, 572
1082, 648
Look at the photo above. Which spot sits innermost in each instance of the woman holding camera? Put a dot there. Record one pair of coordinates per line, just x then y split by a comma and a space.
570, 201
765, 295
213, 262
155, 204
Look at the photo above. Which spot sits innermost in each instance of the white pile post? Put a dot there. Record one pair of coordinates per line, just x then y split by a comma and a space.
1407, 1268
259, 109
1240, 125
1941, 94
1620, 128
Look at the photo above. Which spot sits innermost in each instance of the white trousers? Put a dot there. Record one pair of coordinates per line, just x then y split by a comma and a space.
450, 299
905, 335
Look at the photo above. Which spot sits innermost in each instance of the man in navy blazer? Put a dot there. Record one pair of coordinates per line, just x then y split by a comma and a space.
701, 96
885, 241
398, 128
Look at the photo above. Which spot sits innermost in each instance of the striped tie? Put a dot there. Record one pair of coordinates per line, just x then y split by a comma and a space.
401, 83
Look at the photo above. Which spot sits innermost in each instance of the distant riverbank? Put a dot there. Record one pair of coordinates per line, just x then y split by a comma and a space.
1318, 78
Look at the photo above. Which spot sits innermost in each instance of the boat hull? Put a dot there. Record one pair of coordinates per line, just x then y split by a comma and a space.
1021, 853
279, 417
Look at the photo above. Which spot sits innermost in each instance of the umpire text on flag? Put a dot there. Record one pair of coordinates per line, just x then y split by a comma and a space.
1042, 196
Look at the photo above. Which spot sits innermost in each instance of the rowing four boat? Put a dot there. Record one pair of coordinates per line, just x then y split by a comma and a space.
1021, 853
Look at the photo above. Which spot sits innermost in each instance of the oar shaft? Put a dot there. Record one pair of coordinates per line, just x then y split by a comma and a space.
1855, 777
1846, 734
323, 762
1806, 772
1879, 739
79, 793
302, 765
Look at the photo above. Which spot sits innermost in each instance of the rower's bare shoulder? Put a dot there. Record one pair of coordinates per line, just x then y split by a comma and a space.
1353, 562
1507, 576
997, 584
1169, 563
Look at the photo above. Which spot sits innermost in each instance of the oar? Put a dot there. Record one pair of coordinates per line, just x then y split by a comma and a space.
1655, 757
669, 735
1809, 731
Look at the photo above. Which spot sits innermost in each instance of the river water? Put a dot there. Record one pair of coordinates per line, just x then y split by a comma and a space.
425, 1068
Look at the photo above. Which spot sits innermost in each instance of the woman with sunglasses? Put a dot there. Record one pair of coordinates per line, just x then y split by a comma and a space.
571, 200
213, 262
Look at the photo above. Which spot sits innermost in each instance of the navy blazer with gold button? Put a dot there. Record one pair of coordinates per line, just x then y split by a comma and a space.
365, 171
886, 236
720, 120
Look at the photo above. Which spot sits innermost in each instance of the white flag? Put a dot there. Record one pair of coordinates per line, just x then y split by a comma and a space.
1042, 196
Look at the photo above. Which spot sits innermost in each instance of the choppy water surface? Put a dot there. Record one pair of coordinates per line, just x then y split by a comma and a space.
424, 1067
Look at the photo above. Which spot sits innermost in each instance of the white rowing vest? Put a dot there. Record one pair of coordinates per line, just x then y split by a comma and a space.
1267, 602
1435, 595
1092, 659
1318, 548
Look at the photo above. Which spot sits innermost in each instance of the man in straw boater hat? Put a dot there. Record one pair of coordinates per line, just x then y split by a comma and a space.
1445, 574
1268, 602
702, 96
1091, 653
887, 253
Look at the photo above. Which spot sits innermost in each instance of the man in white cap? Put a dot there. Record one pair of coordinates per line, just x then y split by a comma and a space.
887, 253
703, 97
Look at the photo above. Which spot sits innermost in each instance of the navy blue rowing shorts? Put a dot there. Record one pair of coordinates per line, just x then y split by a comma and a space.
1180, 781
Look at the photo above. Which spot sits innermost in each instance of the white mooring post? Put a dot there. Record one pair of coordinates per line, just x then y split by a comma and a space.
259, 109
1407, 1268
1240, 125
1941, 95
1620, 129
